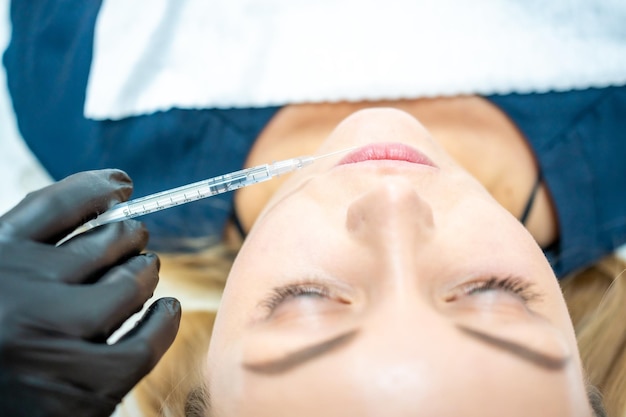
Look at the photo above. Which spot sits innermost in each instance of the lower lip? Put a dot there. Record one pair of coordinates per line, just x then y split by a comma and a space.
387, 152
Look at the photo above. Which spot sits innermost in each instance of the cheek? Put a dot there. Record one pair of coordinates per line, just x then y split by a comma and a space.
281, 246
292, 230
477, 227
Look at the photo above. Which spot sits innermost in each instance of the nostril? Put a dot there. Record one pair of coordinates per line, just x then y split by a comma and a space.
392, 207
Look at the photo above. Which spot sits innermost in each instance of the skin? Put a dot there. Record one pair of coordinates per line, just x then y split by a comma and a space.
474, 132
396, 248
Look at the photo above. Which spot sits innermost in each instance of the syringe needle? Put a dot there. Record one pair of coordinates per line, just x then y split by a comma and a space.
315, 158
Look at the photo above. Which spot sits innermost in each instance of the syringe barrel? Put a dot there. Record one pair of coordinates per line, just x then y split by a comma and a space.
116, 213
196, 191
185, 194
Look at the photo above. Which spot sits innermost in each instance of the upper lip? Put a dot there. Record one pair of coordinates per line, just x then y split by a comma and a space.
388, 151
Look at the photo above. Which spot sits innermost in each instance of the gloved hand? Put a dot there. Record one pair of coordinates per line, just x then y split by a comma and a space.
58, 305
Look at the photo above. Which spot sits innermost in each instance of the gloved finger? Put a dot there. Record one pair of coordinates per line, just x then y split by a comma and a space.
82, 312
139, 350
98, 250
101, 308
110, 370
51, 213
83, 260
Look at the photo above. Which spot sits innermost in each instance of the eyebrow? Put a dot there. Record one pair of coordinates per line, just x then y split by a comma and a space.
523, 352
300, 356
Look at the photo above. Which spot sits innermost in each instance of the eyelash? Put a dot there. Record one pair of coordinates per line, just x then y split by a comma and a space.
515, 286
280, 294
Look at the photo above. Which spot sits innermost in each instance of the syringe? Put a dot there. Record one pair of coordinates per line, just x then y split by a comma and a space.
196, 191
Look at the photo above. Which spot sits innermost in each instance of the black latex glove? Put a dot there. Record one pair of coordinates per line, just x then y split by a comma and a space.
58, 305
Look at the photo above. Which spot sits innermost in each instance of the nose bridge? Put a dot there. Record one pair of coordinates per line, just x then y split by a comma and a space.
393, 221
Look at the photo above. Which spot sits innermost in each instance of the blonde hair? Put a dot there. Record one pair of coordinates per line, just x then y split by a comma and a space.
167, 389
596, 298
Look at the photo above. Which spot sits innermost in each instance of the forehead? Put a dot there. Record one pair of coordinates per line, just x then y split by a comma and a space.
383, 374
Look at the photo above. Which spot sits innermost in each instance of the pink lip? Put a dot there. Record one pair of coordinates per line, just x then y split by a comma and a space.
387, 152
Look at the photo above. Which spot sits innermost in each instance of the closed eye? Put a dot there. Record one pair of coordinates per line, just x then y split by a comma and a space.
517, 287
280, 295
514, 286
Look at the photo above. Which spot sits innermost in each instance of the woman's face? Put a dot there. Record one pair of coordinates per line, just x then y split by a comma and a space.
387, 282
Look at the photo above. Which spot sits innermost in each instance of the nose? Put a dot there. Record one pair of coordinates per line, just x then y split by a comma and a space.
392, 221
390, 213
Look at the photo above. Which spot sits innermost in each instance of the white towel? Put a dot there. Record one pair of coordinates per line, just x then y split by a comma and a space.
157, 54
